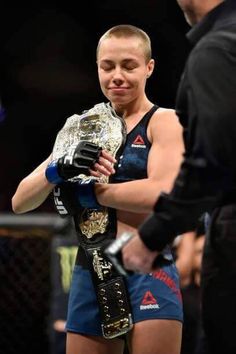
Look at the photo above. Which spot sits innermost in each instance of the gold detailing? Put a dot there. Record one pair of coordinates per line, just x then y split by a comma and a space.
101, 266
93, 221
116, 328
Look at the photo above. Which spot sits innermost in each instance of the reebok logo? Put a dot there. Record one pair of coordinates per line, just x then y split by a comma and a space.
149, 302
139, 142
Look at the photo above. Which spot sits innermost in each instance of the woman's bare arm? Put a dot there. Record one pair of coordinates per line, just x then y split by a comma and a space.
164, 160
33, 190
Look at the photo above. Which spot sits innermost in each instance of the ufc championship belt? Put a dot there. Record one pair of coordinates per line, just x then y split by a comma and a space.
103, 127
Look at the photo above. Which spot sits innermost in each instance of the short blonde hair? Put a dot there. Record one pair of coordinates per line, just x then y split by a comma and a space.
129, 31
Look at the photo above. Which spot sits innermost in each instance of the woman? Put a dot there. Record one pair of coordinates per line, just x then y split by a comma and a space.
149, 162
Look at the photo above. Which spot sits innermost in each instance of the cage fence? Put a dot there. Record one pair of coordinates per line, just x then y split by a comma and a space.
26, 289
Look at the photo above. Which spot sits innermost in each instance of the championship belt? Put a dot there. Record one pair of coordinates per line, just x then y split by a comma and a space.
103, 127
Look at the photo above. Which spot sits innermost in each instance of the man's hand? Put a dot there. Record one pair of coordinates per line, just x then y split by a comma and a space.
137, 257
129, 255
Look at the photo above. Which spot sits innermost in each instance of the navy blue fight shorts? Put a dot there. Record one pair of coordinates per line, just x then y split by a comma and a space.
152, 296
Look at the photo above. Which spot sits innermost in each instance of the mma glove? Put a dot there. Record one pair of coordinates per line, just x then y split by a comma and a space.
78, 160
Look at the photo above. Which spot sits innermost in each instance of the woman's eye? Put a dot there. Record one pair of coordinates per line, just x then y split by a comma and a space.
106, 68
129, 67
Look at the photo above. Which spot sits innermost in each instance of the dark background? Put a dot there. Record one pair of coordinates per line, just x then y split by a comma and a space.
48, 71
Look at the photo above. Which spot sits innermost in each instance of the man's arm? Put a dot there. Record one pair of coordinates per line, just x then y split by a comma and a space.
208, 169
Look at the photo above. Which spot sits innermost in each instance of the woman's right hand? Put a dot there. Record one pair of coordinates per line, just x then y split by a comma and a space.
104, 166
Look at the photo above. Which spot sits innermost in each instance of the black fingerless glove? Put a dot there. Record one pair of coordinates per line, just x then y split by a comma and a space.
78, 160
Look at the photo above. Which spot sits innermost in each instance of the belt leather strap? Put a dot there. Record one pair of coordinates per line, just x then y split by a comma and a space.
110, 286
111, 292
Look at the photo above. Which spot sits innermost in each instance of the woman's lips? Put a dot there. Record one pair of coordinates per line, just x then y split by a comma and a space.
118, 89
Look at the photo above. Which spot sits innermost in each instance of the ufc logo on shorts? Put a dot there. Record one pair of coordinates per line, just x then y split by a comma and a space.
58, 203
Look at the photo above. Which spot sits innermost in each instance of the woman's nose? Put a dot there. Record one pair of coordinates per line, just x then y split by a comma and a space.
117, 73
118, 76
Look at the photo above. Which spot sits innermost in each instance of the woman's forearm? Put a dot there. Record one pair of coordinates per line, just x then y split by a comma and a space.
32, 191
136, 196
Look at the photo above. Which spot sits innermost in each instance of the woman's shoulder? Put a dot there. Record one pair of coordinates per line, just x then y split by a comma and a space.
163, 115
164, 122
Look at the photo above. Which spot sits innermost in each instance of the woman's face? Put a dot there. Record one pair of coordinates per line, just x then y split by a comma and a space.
122, 69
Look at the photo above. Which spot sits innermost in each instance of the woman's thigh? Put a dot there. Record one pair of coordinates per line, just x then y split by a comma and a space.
81, 344
156, 337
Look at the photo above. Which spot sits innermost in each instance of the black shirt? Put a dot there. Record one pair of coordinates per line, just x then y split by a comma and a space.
206, 106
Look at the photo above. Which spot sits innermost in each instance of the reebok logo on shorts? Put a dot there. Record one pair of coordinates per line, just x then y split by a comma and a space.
149, 302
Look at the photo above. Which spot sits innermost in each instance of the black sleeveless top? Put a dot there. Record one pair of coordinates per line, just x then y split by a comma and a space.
132, 163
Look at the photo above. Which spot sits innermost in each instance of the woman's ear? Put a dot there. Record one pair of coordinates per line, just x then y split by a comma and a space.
150, 67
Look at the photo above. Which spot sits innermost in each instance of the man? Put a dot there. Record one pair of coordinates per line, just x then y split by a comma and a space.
206, 106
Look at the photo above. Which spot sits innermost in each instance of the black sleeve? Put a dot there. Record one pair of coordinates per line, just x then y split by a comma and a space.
211, 74
208, 170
